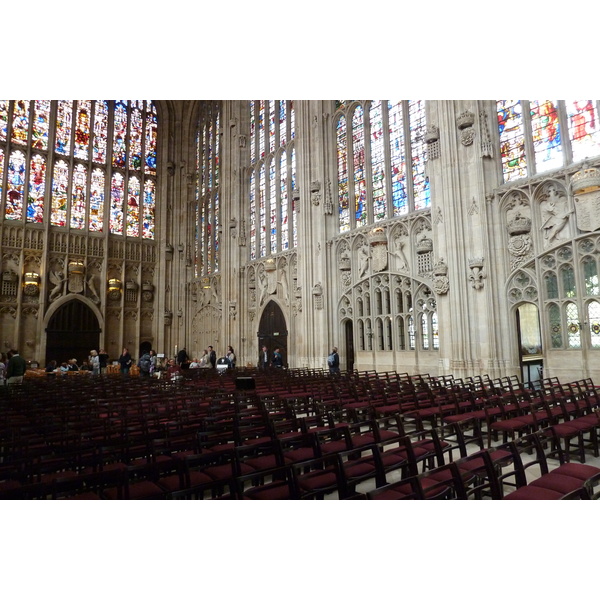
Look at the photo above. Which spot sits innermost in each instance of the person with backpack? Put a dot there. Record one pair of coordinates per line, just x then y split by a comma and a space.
333, 362
144, 364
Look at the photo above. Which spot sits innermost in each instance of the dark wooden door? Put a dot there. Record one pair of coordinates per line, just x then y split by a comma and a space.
349, 330
71, 333
272, 331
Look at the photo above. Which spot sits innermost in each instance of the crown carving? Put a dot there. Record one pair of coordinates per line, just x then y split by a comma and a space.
465, 119
476, 263
586, 180
424, 245
440, 269
377, 236
9, 276
519, 225
432, 134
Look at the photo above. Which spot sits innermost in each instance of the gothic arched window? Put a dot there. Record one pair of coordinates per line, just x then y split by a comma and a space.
381, 156
273, 223
541, 135
207, 190
60, 159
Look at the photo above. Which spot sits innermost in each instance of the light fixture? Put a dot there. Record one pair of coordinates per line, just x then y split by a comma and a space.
31, 284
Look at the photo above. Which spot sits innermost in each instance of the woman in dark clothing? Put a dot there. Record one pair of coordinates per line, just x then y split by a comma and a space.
125, 362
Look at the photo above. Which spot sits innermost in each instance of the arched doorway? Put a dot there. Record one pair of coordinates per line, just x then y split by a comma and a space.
272, 331
72, 332
530, 343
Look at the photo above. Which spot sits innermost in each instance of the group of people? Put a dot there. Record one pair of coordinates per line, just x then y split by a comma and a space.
12, 367
276, 360
208, 360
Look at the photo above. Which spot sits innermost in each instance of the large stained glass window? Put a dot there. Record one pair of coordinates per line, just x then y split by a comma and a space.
381, 154
540, 135
62, 158
207, 190
272, 178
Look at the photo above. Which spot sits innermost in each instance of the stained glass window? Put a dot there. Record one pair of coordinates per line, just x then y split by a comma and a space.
97, 201
3, 119
383, 135
584, 128
100, 131
64, 116
512, 139
294, 200
135, 139
594, 323
378, 162
358, 154
133, 207
539, 135
416, 115
37, 189
41, 124
283, 194
398, 159
342, 162
555, 326
573, 326
272, 177
78, 197
20, 122
15, 182
262, 212
590, 273
545, 130
117, 195
207, 193
273, 216
60, 186
82, 129
71, 193
1, 170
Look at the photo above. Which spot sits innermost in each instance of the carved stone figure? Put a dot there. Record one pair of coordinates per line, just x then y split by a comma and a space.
363, 260
57, 279
555, 216
92, 289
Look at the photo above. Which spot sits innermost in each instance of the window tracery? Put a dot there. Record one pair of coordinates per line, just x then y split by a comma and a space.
540, 135
272, 179
381, 156
59, 150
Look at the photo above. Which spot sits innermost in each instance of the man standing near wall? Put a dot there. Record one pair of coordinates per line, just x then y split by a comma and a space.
16, 368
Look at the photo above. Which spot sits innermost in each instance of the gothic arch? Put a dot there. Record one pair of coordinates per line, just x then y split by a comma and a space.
72, 329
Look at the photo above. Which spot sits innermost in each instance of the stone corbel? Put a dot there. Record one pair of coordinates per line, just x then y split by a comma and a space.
315, 193
478, 273
465, 122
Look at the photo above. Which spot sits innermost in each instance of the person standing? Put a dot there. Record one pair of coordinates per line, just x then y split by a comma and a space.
263, 361
333, 362
277, 360
103, 358
15, 370
182, 357
125, 362
203, 363
153, 361
94, 361
231, 356
145, 363
212, 357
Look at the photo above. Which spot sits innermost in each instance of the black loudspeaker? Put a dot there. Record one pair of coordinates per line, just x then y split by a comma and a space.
245, 383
